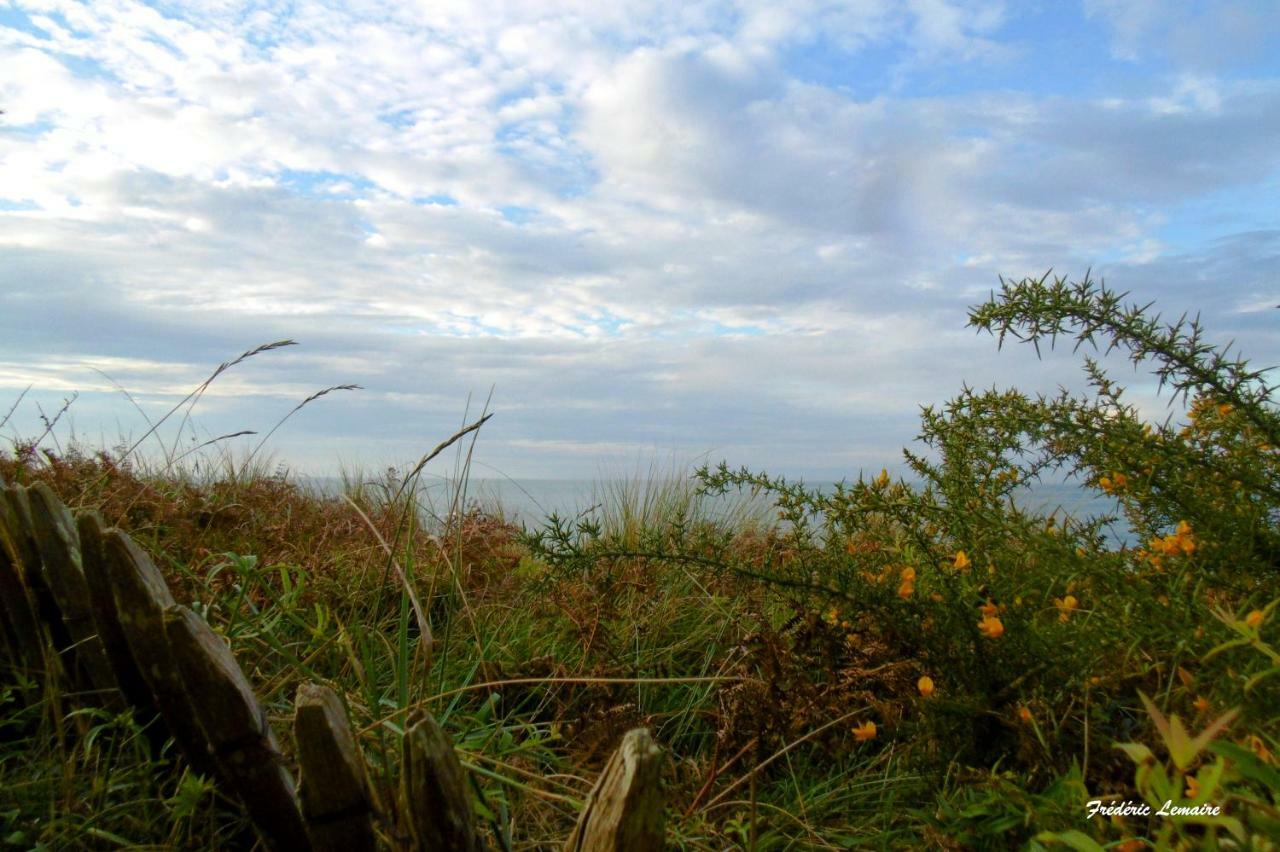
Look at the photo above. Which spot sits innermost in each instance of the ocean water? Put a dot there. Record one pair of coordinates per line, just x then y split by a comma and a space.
532, 501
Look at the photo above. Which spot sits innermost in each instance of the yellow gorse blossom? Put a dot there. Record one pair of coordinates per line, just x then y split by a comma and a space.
1066, 606
925, 685
1113, 483
1179, 542
962, 562
1254, 619
991, 627
882, 480
865, 731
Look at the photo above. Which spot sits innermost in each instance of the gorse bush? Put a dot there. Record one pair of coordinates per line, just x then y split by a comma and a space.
985, 633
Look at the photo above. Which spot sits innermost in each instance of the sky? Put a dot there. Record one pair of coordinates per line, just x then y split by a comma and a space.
742, 231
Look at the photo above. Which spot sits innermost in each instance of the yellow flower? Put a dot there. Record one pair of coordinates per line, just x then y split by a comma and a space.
1254, 619
1260, 749
1193, 787
1113, 483
882, 480
925, 685
908, 574
1201, 704
962, 562
1024, 714
989, 609
1065, 606
991, 627
865, 731
906, 589
1224, 409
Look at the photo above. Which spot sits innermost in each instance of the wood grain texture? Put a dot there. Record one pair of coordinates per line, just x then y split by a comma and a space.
236, 725
624, 812
334, 788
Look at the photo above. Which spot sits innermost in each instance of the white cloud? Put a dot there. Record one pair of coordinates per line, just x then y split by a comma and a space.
632, 210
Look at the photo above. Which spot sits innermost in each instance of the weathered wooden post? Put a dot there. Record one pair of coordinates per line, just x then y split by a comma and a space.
17, 520
236, 726
433, 789
334, 788
24, 634
128, 677
59, 546
624, 812
141, 597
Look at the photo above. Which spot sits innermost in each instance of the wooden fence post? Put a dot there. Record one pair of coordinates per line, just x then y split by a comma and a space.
624, 812
141, 597
433, 789
237, 728
59, 546
334, 788
133, 686
17, 517
25, 635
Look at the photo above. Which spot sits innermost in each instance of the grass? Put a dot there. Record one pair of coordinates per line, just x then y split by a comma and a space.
882, 666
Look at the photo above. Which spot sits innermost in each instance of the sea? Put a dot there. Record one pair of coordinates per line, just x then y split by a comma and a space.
531, 502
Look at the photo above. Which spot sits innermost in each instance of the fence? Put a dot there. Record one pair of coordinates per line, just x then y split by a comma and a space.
84, 607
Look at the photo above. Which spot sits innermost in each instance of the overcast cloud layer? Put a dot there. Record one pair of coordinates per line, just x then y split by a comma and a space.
746, 229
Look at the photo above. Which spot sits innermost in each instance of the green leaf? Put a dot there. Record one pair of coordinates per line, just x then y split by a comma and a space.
1248, 764
1073, 838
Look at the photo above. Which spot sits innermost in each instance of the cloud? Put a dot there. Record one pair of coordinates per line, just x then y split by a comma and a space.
637, 221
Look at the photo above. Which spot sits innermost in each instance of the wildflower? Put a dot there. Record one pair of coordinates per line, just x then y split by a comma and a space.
906, 589
1193, 787
1024, 714
925, 685
908, 574
1258, 747
989, 609
991, 627
1113, 483
1224, 409
962, 562
882, 480
865, 731
1254, 619
1065, 607
1201, 704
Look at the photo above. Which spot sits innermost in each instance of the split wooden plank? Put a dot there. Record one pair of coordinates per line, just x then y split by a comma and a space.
59, 545
334, 788
128, 676
236, 726
433, 789
24, 634
141, 597
17, 520
624, 812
